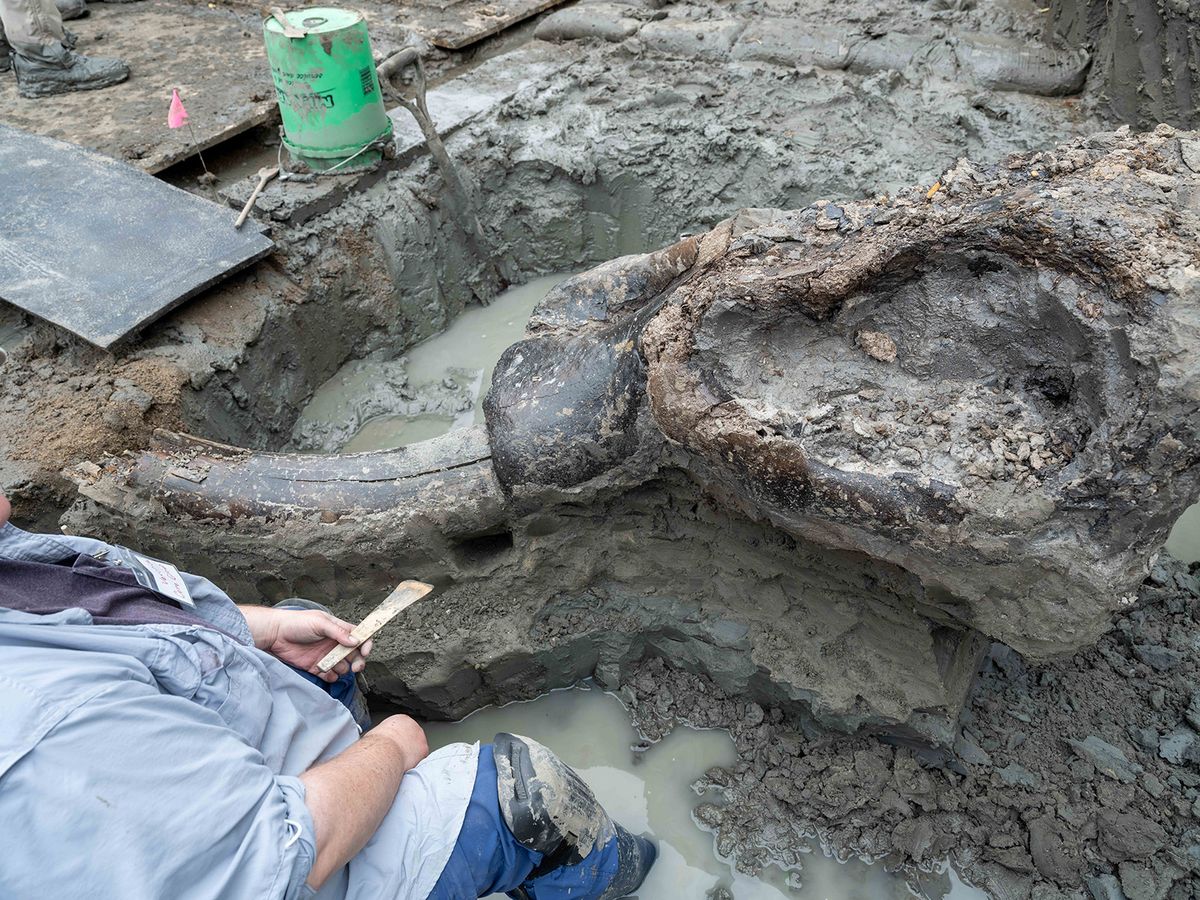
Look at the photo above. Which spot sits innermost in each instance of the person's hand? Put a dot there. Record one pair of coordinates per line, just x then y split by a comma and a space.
302, 637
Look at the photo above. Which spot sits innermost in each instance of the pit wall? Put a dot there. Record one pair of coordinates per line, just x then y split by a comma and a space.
388, 272
590, 587
573, 171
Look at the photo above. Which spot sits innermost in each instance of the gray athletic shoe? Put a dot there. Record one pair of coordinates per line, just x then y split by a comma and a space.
71, 9
69, 71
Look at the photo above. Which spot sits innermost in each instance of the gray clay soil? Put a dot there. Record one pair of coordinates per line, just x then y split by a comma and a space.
1072, 778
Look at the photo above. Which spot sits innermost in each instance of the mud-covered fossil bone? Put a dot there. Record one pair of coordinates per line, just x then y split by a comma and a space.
189, 476
993, 384
813, 454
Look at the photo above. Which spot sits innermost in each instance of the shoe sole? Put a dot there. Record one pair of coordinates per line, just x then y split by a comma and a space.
69, 88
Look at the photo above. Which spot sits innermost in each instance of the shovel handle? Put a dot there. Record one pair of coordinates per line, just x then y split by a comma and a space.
397, 61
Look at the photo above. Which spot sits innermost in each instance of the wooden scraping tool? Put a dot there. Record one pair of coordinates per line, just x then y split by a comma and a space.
405, 595
265, 174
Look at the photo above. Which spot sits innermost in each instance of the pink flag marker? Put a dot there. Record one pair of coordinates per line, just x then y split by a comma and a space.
176, 116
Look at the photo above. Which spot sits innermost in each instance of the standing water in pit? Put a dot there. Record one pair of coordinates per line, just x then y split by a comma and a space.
383, 403
1184, 541
650, 792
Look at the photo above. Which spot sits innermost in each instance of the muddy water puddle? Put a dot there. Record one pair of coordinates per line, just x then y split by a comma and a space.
13, 329
382, 403
651, 792
388, 432
1184, 542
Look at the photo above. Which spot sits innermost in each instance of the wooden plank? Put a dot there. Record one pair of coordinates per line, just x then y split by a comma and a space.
405, 595
457, 24
215, 57
100, 248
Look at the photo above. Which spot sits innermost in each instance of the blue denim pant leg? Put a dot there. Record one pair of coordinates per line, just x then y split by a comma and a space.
487, 859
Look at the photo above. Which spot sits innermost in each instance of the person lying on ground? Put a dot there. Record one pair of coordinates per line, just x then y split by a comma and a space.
160, 742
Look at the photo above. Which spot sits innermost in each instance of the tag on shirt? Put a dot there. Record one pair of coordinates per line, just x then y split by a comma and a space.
154, 574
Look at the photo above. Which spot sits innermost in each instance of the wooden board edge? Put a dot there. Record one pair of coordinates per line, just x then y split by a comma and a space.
266, 116
445, 42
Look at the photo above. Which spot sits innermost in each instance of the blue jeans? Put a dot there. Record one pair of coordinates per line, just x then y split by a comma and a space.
487, 859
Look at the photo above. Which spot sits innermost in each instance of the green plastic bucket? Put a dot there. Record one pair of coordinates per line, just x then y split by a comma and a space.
328, 91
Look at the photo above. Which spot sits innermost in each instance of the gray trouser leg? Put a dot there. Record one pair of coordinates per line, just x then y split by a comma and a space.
356, 704
33, 27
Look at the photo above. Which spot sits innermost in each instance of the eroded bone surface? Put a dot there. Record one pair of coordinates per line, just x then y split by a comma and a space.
991, 384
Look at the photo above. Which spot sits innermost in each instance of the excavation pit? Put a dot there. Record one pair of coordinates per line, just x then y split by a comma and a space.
621, 553
383, 403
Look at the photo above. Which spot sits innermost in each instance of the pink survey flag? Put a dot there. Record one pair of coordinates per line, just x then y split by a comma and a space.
176, 116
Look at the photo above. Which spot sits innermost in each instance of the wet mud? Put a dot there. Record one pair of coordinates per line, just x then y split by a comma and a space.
382, 402
1069, 778
625, 149
1076, 779
653, 787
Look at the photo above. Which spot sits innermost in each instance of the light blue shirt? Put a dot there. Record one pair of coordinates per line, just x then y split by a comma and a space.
161, 761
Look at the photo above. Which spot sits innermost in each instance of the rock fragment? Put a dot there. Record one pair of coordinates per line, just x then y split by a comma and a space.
1180, 746
1157, 657
914, 837
1055, 850
1190, 150
1147, 881
1106, 758
970, 752
1191, 715
1105, 887
1153, 786
1146, 738
1126, 835
1016, 775
127, 392
877, 345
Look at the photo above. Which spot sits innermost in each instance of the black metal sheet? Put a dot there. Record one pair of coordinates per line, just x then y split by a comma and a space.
102, 249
